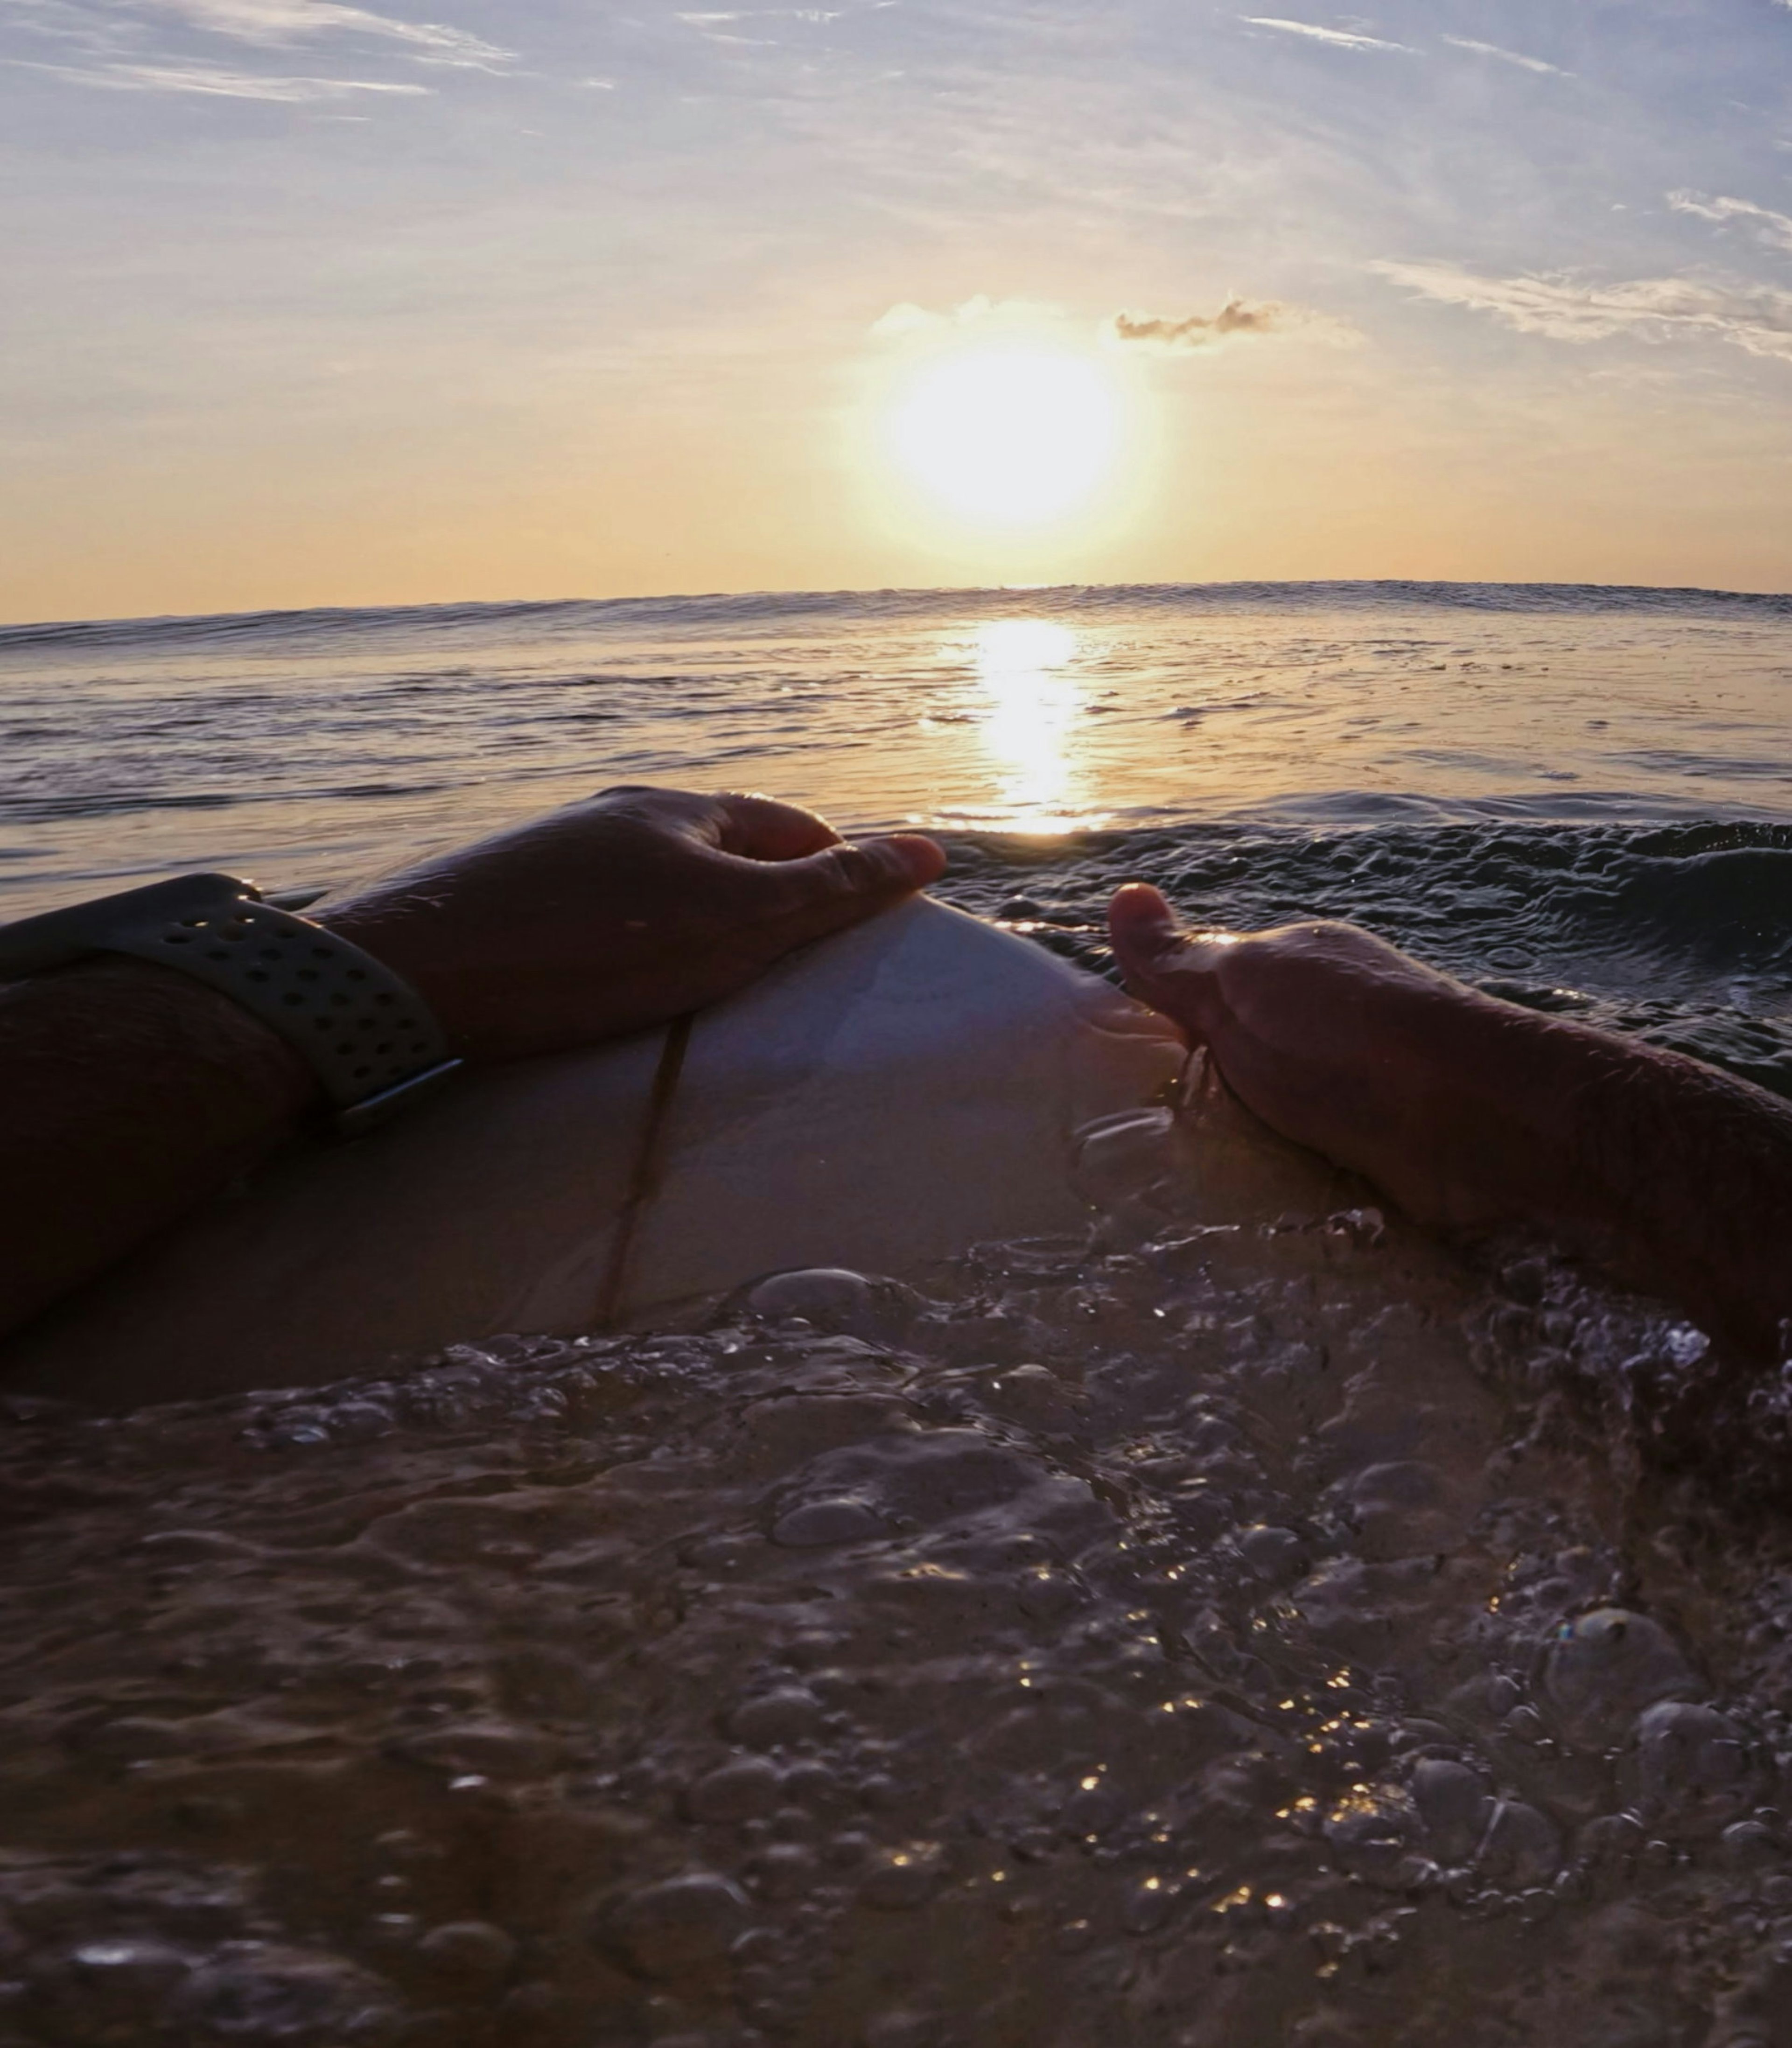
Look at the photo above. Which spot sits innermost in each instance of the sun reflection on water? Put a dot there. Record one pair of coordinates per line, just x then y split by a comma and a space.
1031, 701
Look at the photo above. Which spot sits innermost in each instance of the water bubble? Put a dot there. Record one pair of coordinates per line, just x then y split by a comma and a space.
1522, 1848
1034, 1396
1137, 1160
833, 1299
1749, 1845
1045, 1593
784, 1715
1693, 1762
1273, 1554
684, 1925
1371, 1830
817, 1524
482, 1750
921, 1476
746, 1790
472, 1951
784, 1870
393, 1930
1454, 1803
1602, 1669
262, 1994
1404, 1509
107, 1991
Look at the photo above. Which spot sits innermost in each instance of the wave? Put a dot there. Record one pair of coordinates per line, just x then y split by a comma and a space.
1681, 933
324, 623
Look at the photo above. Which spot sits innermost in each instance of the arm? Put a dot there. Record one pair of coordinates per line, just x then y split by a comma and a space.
1472, 1113
129, 1092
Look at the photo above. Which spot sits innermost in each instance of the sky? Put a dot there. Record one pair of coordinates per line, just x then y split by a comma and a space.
310, 302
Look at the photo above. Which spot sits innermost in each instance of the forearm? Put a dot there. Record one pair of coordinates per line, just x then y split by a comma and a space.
1673, 1175
128, 1093
1475, 1114
1678, 1175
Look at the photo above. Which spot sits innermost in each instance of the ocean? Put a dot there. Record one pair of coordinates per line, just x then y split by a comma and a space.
1188, 1636
1585, 792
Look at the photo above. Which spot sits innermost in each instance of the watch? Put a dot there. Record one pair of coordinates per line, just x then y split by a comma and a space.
363, 1030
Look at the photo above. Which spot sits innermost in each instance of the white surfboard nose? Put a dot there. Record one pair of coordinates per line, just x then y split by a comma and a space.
876, 1103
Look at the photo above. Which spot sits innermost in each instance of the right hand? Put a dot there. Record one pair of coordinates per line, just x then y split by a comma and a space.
1340, 1042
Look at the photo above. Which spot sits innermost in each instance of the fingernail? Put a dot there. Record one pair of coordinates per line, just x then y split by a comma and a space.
1138, 903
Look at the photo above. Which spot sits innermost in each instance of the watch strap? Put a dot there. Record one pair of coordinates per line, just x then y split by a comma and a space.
363, 1030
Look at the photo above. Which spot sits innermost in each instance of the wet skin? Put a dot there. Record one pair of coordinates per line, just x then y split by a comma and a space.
129, 1093
1473, 1114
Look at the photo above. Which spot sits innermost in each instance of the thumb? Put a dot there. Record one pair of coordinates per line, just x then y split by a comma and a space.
824, 891
1144, 929
1170, 969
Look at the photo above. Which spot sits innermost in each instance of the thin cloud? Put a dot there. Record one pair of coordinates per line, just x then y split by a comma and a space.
1237, 320
1339, 38
1513, 57
905, 318
268, 24
1652, 309
216, 83
1774, 229
276, 21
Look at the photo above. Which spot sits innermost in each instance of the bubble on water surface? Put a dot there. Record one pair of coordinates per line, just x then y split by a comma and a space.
683, 1927
1693, 1765
746, 1790
1169, 1639
775, 1718
1454, 1803
833, 1299
1602, 1669
815, 1522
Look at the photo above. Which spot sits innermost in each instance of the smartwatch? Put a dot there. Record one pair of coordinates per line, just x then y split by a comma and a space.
364, 1031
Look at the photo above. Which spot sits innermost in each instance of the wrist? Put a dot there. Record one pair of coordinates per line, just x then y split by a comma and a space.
130, 1094
226, 1067
386, 929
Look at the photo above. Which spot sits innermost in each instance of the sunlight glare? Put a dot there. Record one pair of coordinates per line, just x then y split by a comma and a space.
1031, 703
1013, 437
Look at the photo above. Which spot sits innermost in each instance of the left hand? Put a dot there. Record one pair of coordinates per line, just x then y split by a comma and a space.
620, 913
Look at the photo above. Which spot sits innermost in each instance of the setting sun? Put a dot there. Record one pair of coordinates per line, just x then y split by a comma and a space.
1007, 436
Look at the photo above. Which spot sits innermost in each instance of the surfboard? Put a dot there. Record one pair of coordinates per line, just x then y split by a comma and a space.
879, 1101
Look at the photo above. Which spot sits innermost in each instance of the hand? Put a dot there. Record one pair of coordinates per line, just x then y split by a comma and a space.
1340, 1042
620, 913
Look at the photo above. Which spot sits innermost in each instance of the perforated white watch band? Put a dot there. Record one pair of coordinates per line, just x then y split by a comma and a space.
365, 1032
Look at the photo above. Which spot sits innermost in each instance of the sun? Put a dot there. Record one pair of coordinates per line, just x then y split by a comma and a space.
1007, 436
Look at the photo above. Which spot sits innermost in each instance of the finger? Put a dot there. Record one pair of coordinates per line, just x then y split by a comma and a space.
844, 882
1169, 968
759, 828
1145, 930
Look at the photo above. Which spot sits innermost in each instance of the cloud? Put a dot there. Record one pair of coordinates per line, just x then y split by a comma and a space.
1774, 229
1653, 309
1512, 57
286, 21
1339, 38
905, 318
269, 24
217, 83
1237, 320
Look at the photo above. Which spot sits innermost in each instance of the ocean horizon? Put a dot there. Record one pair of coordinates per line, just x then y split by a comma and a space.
1547, 788
1470, 594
